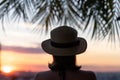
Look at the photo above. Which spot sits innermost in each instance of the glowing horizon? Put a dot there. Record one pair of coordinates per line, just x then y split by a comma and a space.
91, 59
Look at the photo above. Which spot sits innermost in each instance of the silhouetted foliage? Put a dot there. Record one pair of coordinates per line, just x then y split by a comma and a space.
99, 16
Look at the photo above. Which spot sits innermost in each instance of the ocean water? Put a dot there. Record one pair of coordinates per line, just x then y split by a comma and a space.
108, 75
99, 75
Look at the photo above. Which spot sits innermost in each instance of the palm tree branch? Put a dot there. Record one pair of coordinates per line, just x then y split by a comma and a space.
101, 14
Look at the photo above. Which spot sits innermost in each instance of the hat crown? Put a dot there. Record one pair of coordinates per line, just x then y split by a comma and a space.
64, 42
64, 34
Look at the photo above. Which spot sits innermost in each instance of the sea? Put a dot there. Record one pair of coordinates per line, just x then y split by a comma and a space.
108, 75
31, 75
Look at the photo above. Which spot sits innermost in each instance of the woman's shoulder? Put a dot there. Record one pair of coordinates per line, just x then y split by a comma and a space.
86, 72
83, 75
47, 72
82, 72
44, 75
90, 74
79, 74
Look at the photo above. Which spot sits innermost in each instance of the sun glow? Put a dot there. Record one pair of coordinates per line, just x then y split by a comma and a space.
7, 69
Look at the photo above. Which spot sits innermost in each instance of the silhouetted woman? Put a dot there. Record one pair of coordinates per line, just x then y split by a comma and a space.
64, 45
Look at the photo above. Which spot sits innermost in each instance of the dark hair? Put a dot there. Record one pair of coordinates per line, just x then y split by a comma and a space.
64, 63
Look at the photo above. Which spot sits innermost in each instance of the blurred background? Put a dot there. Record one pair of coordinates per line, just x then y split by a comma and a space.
24, 24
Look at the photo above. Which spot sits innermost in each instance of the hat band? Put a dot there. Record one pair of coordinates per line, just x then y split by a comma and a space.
65, 45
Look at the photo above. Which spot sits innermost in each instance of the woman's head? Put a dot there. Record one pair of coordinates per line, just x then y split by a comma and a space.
64, 45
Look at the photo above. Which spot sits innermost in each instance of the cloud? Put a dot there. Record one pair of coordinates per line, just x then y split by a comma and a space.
22, 49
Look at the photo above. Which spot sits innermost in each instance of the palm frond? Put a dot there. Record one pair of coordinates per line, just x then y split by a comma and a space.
102, 16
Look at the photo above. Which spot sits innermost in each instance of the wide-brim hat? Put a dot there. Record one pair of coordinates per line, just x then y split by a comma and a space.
64, 42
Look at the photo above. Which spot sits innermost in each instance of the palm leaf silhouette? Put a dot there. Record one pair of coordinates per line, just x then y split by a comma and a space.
100, 16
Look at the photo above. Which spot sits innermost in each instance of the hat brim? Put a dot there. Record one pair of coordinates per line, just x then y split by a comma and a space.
80, 48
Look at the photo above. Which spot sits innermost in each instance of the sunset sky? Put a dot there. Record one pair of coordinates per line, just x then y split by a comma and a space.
21, 50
